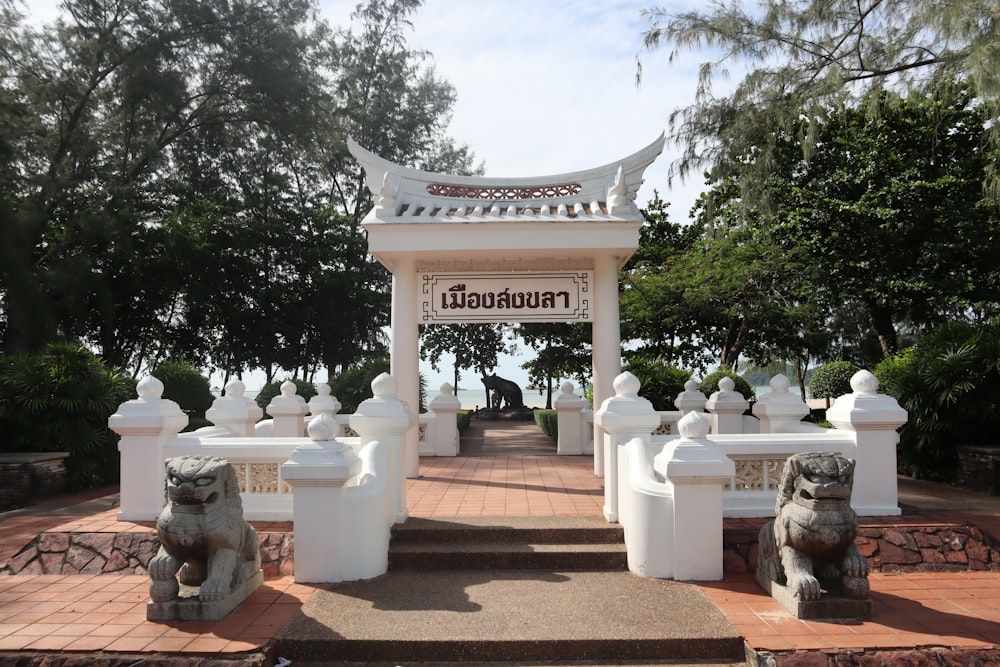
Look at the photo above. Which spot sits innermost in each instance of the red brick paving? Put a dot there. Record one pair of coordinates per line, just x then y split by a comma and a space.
107, 612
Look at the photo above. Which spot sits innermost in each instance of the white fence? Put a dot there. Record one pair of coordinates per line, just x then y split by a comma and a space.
671, 493
330, 484
669, 477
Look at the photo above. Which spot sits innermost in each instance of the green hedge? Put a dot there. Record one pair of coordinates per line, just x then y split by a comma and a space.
660, 381
548, 422
710, 384
464, 420
185, 385
273, 389
832, 380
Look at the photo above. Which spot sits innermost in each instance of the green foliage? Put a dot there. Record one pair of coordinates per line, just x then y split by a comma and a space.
464, 420
832, 380
804, 59
208, 139
59, 400
950, 387
661, 382
548, 423
185, 385
354, 385
890, 370
474, 346
710, 384
562, 350
271, 390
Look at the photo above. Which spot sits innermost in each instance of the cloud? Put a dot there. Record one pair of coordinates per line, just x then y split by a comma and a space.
549, 87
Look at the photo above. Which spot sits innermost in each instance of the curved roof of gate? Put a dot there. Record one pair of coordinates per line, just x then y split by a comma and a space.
406, 195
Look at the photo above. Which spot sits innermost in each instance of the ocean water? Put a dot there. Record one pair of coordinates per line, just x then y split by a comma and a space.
473, 398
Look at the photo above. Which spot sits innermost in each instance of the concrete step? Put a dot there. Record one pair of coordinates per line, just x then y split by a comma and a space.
537, 530
512, 616
509, 543
478, 556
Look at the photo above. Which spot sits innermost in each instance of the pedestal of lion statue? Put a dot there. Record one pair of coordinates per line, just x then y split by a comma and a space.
209, 557
807, 557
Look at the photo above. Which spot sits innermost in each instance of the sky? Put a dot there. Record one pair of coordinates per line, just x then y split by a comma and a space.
547, 87
544, 87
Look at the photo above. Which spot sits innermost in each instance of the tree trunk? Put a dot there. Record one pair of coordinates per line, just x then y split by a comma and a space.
880, 318
736, 340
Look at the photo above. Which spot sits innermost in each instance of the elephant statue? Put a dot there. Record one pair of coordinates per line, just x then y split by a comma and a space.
504, 390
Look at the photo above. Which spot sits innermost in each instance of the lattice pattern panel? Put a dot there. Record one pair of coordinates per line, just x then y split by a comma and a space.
260, 478
241, 475
350, 432
422, 430
504, 193
263, 478
665, 428
757, 474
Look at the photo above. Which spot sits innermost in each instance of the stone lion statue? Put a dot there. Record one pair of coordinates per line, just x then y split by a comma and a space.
810, 544
204, 540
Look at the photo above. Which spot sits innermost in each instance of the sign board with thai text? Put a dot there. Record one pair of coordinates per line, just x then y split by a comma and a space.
558, 296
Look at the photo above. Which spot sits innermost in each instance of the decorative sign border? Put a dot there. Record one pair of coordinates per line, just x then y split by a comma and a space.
558, 296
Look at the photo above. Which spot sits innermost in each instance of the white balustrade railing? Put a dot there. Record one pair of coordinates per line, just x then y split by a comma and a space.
670, 492
759, 459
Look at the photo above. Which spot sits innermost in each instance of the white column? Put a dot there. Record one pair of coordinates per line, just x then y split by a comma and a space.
443, 431
145, 425
698, 468
607, 343
287, 410
317, 473
874, 418
404, 351
569, 409
624, 416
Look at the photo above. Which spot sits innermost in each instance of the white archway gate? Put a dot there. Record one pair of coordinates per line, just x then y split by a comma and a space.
477, 249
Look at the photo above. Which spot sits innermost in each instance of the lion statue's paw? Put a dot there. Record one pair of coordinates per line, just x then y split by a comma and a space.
163, 590
804, 586
856, 588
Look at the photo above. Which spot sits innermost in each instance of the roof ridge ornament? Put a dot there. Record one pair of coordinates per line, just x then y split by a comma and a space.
386, 196
618, 194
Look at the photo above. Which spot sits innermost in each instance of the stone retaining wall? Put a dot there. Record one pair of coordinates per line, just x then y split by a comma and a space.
30, 476
979, 468
929, 657
929, 548
123, 553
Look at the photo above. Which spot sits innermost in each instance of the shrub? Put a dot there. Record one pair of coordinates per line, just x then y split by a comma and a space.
464, 420
950, 386
354, 384
710, 384
548, 423
660, 381
60, 400
891, 369
185, 385
832, 380
270, 390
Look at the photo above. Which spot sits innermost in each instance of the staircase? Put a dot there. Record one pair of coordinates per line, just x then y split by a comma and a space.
508, 543
510, 590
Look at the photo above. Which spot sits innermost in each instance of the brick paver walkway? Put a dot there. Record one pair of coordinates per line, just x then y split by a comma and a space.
107, 612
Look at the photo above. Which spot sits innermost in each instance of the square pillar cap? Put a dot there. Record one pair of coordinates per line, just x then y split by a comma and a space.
866, 408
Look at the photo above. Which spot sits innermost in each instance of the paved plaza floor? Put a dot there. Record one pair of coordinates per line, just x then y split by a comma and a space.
107, 612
